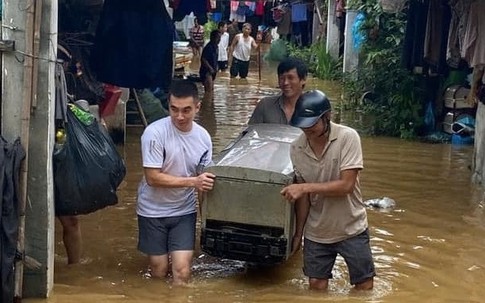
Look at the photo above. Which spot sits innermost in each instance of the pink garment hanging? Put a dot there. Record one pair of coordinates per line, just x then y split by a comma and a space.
259, 8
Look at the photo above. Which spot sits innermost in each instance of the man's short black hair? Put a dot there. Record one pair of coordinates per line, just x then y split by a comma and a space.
221, 24
214, 35
290, 63
183, 89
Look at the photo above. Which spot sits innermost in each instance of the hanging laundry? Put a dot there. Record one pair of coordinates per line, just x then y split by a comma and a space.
236, 13
133, 44
298, 12
459, 18
268, 14
435, 41
413, 44
11, 156
182, 8
259, 11
473, 50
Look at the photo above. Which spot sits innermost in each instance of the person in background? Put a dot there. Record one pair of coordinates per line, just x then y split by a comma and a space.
174, 151
292, 75
208, 62
241, 52
196, 38
327, 159
223, 45
232, 30
71, 237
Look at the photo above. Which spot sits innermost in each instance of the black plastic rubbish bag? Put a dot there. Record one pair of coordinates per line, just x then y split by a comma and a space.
87, 169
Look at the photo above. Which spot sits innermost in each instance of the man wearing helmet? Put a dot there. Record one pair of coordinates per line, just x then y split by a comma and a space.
327, 159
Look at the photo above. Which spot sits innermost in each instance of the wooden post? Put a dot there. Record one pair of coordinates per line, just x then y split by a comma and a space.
24, 139
18, 25
35, 51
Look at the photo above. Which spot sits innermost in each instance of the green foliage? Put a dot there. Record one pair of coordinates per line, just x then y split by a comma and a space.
318, 60
396, 102
326, 67
208, 28
303, 53
277, 51
353, 4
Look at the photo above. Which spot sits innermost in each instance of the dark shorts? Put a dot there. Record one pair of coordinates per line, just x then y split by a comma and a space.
222, 65
239, 67
319, 259
159, 236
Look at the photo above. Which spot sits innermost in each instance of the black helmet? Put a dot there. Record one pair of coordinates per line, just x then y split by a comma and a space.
309, 108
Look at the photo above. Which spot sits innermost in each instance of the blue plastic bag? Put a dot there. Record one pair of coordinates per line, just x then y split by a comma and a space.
429, 120
358, 35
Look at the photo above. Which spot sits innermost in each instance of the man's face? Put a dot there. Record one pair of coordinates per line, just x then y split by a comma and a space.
183, 111
319, 128
223, 28
247, 30
290, 83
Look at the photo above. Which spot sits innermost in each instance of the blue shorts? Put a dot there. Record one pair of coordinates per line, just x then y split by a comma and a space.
159, 236
319, 259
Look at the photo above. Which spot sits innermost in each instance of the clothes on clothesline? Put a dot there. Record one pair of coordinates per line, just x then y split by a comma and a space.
473, 48
182, 8
453, 35
11, 156
133, 45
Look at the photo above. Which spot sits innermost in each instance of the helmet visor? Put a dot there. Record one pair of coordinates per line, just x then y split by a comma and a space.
304, 122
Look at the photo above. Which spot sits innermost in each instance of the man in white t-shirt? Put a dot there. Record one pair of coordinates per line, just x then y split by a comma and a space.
223, 45
174, 151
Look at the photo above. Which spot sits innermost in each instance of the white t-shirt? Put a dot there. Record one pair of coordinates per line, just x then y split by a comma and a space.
223, 44
242, 50
175, 153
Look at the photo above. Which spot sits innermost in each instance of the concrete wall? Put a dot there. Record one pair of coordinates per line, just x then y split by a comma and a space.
39, 230
351, 55
332, 32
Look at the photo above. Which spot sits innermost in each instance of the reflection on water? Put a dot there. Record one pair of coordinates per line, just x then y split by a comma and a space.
429, 248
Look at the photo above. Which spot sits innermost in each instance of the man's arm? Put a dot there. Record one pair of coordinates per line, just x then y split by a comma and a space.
231, 48
156, 178
302, 208
254, 44
341, 187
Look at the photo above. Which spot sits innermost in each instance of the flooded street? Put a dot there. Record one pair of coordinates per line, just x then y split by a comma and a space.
427, 249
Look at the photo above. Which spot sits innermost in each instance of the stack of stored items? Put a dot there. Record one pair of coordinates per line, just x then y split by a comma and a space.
459, 114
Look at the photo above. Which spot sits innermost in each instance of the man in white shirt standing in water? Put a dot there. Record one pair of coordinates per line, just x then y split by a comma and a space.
174, 149
223, 45
241, 52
